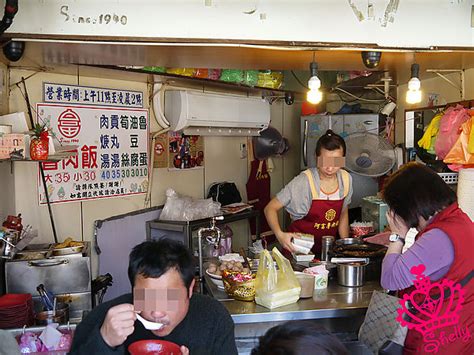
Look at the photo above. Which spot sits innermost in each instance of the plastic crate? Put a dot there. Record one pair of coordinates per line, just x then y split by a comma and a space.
449, 178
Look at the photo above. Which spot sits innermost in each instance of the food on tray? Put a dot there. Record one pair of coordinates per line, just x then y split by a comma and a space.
235, 266
68, 243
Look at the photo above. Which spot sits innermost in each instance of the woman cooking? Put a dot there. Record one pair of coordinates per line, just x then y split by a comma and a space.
317, 199
418, 198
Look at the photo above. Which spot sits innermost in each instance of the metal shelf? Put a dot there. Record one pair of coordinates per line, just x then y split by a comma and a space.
203, 81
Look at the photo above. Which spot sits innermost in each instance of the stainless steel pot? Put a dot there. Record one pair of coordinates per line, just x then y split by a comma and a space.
47, 317
351, 274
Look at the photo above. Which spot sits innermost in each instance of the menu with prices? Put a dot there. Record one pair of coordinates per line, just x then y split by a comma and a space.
112, 155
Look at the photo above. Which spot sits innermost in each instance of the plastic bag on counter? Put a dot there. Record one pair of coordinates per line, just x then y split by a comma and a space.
185, 208
275, 288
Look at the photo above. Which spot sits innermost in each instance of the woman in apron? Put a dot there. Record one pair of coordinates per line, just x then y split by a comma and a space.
317, 199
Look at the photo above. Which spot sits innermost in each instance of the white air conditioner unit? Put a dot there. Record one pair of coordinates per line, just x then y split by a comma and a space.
201, 113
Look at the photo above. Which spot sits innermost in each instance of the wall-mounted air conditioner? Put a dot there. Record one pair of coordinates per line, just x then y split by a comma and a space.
202, 113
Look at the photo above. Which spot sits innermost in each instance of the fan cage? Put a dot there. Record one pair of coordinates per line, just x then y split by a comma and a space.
449, 178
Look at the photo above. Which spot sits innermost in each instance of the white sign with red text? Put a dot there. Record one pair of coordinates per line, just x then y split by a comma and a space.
112, 154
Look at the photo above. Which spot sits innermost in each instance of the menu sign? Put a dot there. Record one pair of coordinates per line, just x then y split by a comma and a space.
112, 152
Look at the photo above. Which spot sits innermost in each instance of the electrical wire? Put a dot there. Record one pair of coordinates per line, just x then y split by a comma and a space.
358, 97
298, 80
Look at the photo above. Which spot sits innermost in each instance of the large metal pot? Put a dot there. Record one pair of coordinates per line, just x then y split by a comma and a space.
358, 248
351, 274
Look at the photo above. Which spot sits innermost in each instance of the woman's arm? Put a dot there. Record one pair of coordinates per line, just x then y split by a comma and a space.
343, 228
434, 250
271, 213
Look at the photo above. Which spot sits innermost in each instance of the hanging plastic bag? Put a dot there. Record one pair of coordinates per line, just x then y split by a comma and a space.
449, 129
275, 288
459, 155
428, 140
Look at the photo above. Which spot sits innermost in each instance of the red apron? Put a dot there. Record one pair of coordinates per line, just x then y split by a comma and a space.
258, 195
322, 218
460, 229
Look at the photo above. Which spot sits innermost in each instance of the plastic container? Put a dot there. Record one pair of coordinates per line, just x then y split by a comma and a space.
307, 284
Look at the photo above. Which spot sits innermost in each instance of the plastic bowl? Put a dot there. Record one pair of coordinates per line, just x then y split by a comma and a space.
216, 280
156, 347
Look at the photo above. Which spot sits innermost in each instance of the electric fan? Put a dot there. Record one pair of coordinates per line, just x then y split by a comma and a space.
369, 155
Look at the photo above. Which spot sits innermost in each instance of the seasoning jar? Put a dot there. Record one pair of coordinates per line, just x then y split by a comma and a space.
326, 245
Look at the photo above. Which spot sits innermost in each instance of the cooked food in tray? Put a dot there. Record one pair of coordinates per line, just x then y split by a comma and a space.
68, 243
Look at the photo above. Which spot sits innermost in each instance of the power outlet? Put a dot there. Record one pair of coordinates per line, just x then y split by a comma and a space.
243, 150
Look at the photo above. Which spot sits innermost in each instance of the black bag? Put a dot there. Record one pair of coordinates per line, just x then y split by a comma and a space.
224, 192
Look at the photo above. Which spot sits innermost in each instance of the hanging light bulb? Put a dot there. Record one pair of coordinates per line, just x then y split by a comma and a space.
314, 95
414, 92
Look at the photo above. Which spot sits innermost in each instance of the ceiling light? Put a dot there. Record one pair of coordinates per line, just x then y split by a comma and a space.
414, 92
314, 95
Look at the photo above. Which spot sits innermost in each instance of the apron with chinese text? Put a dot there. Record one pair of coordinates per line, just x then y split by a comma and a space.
323, 216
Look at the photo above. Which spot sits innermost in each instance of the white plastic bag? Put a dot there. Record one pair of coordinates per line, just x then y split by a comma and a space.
275, 288
185, 208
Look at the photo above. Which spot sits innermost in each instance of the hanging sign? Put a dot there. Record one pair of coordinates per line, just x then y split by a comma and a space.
85, 95
112, 154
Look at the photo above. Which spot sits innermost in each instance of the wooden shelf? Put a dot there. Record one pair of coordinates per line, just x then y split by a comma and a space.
202, 81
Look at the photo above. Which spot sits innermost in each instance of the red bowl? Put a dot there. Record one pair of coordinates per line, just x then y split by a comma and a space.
155, 347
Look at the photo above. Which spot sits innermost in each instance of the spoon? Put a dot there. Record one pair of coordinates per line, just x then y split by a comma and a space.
149, 325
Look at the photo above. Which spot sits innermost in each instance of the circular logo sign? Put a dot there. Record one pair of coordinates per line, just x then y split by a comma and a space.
69, 123
330, 215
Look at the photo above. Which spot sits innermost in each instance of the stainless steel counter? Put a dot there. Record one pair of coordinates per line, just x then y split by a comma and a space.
334, 302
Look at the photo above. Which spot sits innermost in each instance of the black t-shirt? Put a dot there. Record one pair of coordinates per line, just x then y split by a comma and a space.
206, 329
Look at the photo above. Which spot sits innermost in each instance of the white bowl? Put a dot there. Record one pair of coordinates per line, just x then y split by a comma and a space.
216, 280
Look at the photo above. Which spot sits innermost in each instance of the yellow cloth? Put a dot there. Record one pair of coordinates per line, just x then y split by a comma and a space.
427, 141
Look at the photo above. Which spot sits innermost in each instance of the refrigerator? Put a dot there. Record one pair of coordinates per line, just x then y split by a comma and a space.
314, 126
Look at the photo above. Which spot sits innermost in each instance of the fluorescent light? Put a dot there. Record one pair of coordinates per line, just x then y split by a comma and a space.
314, 95
413, 95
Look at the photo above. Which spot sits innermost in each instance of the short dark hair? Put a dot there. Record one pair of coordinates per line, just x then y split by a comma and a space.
299, 337
154, 258
417, 191
330, 141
